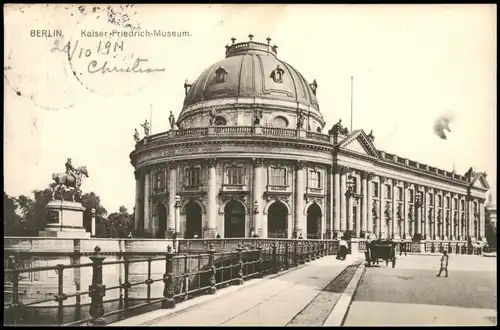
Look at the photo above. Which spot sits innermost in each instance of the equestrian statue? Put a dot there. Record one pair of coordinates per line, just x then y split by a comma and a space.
70, 181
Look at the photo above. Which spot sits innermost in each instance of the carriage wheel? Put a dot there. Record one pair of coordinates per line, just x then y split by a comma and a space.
393, 262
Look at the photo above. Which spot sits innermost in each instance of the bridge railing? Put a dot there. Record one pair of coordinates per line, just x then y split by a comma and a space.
186, 276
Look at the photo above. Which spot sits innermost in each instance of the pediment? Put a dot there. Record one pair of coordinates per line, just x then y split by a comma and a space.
480, 182
359, 143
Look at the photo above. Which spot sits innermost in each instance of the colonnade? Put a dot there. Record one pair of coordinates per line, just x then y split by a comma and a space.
406, 210
447, 216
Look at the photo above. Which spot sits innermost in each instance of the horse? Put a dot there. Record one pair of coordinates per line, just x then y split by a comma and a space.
65, 182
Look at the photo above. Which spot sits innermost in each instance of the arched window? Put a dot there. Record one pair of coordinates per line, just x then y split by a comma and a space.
318, 129
280, 122
220, 121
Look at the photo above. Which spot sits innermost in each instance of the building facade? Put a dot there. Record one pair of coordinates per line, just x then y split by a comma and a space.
249, 155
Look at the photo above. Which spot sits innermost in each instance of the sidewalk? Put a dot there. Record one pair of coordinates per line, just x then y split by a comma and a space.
269, 301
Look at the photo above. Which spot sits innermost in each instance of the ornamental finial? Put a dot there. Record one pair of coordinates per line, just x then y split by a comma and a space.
233, 39
250, 36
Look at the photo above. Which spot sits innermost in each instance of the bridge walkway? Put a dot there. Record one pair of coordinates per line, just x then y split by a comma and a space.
301, 296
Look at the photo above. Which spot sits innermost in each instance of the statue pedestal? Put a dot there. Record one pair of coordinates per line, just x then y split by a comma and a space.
64, 219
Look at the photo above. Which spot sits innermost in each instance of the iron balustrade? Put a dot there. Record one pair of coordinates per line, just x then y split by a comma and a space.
186, 276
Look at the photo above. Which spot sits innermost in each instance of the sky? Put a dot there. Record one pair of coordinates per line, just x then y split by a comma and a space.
411, 64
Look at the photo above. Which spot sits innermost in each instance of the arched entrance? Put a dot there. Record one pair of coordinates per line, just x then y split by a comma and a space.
277, 215
160, 215
234, 220
313, 221
193, 220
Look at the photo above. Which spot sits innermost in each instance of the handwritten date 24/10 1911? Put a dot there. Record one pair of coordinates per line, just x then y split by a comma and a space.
102, 49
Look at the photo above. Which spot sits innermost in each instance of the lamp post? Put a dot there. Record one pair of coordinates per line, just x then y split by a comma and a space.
351, 193
92, 217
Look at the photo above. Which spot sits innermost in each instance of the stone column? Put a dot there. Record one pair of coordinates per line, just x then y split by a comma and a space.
369, 203
420, 210
469, 217
393, 222
147, 196
350, 213
364, 204
405, 232
434, 215
258, 182
452, 217
337, 204
331, 193
446, 217
359, 203
427, 227
381, 217
137, 212
211, 232
177, 219
299, 199
482, 222
343, 202
460, 220
172, 187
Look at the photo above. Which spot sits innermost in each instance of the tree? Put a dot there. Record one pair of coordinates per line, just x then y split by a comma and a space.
12, 225
491, 234
92, 201
34, 210
120, 223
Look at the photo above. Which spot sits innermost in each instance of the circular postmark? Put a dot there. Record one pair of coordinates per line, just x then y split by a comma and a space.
106, 55
30, 70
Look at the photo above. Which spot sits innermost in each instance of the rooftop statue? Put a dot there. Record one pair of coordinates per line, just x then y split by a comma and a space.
257, 117
146, 127
212, 117
171, 120
371, 136
300, 119
136, 136
338, 129
71, 181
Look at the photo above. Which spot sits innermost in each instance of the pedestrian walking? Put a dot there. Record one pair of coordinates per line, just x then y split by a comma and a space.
342, 249
130, 235
444, 264
402, 248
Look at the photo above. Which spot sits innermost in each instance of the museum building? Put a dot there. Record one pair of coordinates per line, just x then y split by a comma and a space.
250, 154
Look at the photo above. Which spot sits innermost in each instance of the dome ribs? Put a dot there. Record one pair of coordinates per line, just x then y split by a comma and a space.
291, 77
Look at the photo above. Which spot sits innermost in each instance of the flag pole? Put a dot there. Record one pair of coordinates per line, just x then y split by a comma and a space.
352, 91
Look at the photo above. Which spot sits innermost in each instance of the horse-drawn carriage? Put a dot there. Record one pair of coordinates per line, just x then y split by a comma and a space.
381, 249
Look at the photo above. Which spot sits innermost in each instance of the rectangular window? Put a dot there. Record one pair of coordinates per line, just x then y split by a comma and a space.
235, 175
431, 199
193, 176
440, 201
412, 196
314, 179
462, 205
375, 189
448, 203
388, 192
160, 180
400, 194
455, 203
278, 176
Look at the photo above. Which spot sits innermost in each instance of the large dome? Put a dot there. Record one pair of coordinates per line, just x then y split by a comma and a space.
249, 68
251, 73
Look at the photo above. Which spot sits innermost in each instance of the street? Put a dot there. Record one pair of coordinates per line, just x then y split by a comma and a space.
410, 294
